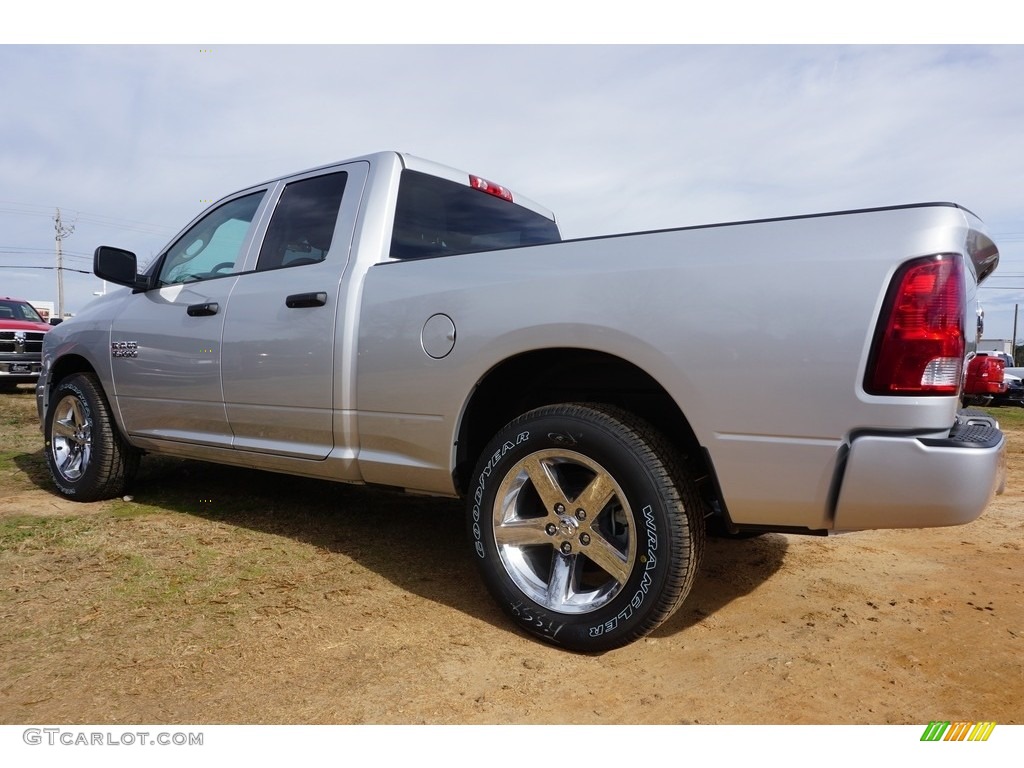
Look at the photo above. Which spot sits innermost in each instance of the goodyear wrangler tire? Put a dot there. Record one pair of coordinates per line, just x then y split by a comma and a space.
85, 453
586, 528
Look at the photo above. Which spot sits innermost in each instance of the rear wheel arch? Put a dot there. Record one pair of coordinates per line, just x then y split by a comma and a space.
563, 375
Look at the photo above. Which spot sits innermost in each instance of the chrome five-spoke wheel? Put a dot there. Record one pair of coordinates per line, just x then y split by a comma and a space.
564, 531
71, 438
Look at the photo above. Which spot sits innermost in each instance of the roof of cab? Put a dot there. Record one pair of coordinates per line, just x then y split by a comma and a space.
416, 163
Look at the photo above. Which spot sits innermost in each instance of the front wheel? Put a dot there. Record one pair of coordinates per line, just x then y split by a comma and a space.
587, 529
85, 453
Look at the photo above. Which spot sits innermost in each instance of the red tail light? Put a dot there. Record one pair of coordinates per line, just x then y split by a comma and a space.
919, 347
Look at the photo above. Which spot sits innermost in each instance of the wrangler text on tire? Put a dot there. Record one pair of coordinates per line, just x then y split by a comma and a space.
586, 527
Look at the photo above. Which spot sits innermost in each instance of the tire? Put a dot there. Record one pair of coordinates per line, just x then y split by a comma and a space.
586, 528
85, 453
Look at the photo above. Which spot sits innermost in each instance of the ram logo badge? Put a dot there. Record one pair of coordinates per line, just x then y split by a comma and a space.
124, 349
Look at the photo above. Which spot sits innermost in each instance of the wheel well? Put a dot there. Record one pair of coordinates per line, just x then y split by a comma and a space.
550, 376
66, 366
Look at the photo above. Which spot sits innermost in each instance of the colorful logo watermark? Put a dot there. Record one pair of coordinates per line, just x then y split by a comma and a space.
939, 730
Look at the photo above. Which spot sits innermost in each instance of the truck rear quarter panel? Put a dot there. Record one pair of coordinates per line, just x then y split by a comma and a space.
760, 332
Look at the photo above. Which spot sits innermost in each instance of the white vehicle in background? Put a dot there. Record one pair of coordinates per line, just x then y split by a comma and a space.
395, 322
1014, 394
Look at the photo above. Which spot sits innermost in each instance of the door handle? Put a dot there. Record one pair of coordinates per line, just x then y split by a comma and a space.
301, 300
203, 310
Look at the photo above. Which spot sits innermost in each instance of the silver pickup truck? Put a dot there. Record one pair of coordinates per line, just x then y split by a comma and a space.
597, 402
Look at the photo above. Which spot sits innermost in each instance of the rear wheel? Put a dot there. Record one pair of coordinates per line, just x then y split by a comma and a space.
86, 455
587, 529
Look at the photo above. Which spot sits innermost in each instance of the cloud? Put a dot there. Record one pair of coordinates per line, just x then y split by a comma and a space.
612, 138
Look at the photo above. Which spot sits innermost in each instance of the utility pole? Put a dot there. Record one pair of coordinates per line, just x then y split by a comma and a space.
62, 232
1014, 345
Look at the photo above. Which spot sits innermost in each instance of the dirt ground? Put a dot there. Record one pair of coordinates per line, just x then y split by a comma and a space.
219, 595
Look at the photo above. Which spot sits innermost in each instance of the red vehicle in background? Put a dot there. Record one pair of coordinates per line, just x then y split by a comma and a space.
21, 342
1012, 390
984, 378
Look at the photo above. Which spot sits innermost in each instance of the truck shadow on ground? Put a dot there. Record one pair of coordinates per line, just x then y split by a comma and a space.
419, 544
731, 569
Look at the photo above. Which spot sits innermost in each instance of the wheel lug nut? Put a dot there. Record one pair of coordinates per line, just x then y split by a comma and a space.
584, 539
559, 508
566, 548
581, 514
551, 529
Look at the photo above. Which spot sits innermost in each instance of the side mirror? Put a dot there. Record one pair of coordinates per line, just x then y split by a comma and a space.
56, 320
117, 266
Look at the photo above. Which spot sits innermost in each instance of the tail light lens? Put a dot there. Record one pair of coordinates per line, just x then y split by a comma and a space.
919, 347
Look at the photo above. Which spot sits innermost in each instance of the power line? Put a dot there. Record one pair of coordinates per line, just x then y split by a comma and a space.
43, 252
36, 266
32, 251
145, 227
126, 224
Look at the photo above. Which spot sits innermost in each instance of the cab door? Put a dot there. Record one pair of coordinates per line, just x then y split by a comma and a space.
166, 342
280, 339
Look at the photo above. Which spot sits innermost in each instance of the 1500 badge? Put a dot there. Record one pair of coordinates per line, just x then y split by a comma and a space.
124, 349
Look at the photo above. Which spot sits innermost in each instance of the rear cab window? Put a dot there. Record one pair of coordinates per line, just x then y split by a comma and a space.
438, 217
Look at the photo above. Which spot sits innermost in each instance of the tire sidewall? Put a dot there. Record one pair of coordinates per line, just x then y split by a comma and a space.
625, 615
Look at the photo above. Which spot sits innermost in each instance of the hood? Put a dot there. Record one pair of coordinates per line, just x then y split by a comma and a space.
7, 324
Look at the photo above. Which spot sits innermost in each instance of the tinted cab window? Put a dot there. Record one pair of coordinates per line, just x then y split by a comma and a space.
302, 228
437, 217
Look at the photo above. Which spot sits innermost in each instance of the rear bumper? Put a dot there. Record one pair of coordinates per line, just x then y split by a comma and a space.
901, 481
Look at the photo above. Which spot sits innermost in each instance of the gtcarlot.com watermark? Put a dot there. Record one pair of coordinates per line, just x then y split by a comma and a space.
69, 737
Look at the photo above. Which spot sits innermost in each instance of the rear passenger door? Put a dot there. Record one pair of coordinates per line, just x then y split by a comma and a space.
281, 326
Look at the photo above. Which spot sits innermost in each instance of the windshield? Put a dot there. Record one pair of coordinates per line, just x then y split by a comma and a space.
19, 310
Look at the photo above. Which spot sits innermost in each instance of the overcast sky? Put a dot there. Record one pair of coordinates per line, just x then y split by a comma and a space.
131, 142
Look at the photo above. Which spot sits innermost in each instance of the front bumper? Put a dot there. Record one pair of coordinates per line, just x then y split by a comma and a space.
19, 370
919, 481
